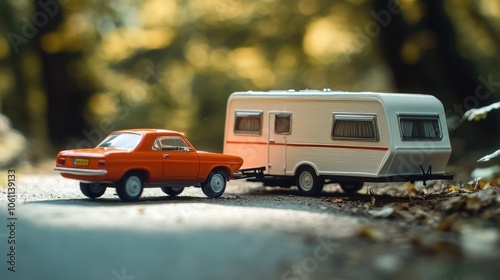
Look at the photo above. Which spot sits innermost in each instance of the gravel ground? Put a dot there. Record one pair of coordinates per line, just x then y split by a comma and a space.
251, 232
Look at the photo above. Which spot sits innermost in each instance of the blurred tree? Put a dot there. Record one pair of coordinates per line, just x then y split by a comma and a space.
107, 65
14, 98
421, 47
67, 96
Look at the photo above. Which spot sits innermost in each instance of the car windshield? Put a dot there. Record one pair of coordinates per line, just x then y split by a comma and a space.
121, 141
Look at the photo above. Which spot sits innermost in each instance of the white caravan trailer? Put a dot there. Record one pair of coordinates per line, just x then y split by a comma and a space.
311, 137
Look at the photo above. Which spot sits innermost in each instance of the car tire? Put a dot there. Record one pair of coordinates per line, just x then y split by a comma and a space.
215, 185
92, 190
308, 183
172, 191
130, 187
351, 187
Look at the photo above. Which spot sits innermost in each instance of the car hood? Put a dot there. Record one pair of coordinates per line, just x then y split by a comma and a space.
94, 152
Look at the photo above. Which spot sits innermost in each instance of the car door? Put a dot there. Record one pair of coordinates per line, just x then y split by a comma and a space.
180, 162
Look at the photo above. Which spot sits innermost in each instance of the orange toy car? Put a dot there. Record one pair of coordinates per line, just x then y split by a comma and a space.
130, 160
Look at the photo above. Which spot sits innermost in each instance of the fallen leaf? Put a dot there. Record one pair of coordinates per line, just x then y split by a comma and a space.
480, 242
385, 212
436, 244
336, 200
370, 233
454, 204
447, 224
473, 204
411, 188
445, 247
486, 173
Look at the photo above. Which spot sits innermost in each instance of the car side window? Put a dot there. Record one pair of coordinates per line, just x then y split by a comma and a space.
170, 143
157, 144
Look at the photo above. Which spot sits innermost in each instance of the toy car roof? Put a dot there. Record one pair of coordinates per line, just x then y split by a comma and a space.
149, 131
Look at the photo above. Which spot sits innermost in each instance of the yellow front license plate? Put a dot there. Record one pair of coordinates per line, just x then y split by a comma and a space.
81, 161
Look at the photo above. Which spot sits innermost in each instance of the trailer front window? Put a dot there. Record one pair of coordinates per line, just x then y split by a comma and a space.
354, 127
248, 122
419, 128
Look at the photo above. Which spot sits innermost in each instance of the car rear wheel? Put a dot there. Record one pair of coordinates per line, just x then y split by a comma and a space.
215, 185
308, 182
351, 187
130, 187
92, 190
172, 191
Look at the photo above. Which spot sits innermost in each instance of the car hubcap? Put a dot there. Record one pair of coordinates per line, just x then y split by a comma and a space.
133, 186
177, 189
95, 188
306, 181
217, 183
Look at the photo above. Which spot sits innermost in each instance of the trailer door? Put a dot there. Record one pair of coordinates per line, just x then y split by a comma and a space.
279, 129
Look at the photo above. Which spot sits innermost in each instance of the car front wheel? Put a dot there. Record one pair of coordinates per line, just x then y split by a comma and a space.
172, 191
130, 187
92, 190
215, 185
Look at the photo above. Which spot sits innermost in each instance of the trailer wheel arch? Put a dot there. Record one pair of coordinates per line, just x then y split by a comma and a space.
303, 164
308, 181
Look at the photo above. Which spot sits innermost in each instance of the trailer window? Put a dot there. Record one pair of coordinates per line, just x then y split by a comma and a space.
248, 122
354, 127
419, 128
282, 123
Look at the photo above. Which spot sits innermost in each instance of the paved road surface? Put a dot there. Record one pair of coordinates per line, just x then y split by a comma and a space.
250, 233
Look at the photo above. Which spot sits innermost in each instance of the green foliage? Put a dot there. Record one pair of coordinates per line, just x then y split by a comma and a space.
477, 114
490, 156
172, 64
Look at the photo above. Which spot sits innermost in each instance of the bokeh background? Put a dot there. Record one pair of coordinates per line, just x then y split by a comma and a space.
72, 71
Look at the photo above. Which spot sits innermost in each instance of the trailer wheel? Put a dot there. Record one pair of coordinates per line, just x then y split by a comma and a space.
308, 182
130, 187
92, 190
172, 191
351, 187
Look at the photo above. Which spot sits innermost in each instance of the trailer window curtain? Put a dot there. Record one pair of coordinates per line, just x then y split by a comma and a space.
419, 127
248, 122
354, 127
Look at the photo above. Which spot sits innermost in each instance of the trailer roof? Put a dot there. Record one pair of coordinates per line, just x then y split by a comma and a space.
326, 93
411, 101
